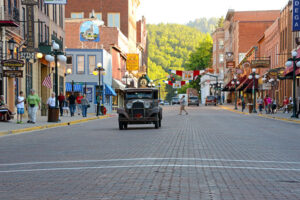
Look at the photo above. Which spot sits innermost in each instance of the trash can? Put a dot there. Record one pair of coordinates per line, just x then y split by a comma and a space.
250, 107
53, 114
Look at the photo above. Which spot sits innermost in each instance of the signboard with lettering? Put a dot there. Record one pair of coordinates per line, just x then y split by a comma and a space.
296, 15
55, 1
266, 86
132, 62
13, 63
30, 29
260, 63
13, 73
26, 55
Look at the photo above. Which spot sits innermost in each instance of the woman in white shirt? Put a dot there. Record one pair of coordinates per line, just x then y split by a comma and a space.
20, 108
51, 101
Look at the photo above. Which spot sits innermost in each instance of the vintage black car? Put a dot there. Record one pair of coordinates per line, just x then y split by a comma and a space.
141, 106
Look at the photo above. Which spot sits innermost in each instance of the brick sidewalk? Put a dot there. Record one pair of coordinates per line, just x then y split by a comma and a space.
42, 122
279, 115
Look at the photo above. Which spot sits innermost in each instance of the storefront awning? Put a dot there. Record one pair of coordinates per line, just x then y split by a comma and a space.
109, 91
249, 87
116, 84
244, 83
227, 86
288, 70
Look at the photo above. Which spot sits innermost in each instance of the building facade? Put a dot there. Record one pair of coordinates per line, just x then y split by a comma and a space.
48, 23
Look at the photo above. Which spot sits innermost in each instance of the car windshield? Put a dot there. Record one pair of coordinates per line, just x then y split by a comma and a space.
175, 99
139, 95
194, 98
210, 98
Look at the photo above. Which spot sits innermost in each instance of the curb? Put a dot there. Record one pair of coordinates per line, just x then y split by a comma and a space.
261, 115
29, 129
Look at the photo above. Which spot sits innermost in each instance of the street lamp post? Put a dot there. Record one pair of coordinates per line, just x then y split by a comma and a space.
56, 55
235, 82
294, 61
254, 76
158, 91
97, 71
126, 76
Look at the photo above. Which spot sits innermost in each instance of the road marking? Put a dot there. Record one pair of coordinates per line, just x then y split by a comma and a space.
145, 159
145, 166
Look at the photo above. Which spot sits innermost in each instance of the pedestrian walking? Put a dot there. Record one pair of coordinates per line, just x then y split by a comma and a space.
20, 107
72, 104
78, 102
182, 102
33, 104
51, 101
223, 98
243, 103
285, 105
61, 100
274, 106
260, 104
269, 99
266, 104
84, 105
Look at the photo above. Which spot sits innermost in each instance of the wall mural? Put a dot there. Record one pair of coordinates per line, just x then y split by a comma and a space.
89, 32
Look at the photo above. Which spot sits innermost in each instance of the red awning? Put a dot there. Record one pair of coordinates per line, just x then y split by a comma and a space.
8, 23
250, 85
227, 86
243, 84
289, 71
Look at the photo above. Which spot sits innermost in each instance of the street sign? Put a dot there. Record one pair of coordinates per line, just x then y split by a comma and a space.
13, 73
13, 63
27, 55
132, 62
29, 2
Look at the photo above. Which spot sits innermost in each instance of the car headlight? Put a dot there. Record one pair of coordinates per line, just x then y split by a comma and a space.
147, 105
129, 105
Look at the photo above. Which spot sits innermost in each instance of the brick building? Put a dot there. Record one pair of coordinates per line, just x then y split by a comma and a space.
114, 13
242, 31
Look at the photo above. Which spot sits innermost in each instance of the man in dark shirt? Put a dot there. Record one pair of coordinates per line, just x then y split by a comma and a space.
72, 104
61, 100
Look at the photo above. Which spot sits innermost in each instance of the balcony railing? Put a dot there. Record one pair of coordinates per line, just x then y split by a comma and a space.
10, 13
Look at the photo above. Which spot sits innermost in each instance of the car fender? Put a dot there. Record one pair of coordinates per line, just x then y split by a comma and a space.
121, 111
155, 110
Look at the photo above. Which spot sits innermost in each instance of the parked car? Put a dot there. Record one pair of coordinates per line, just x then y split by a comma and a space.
161, 102
210, 100
166, 103
140, 107
193, 100
175, 100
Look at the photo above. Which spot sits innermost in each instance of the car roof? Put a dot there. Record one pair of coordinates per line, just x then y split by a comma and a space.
140, 89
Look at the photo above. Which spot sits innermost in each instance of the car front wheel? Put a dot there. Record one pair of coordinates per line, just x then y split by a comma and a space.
121, 125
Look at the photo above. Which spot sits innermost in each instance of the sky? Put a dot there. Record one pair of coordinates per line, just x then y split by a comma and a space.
183, 11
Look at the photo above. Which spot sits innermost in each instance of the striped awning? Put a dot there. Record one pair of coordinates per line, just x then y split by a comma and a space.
109, 91
77, 87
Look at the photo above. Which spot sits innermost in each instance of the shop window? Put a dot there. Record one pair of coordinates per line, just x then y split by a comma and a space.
69, 64
92, 64
77, 15
221, 44
97, 15
80, 64
114, 20
221, 58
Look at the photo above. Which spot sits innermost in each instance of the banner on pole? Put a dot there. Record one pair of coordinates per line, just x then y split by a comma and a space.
188, 75
296, 15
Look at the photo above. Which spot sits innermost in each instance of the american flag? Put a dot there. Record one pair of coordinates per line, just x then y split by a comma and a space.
47, 82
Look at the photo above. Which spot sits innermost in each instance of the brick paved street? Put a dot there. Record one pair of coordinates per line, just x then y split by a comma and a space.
209, 154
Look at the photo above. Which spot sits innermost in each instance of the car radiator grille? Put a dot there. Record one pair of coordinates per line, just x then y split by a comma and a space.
138, 110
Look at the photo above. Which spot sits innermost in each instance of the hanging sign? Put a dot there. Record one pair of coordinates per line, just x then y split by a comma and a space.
30, 28
260, 63
13, 63
296, 15
188, 75
132, 62
13, 73
55, 1
29, 2
177, 85
26, 55
89, 32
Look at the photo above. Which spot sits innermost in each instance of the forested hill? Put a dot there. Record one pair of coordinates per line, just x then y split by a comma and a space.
170, 47
204, 25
